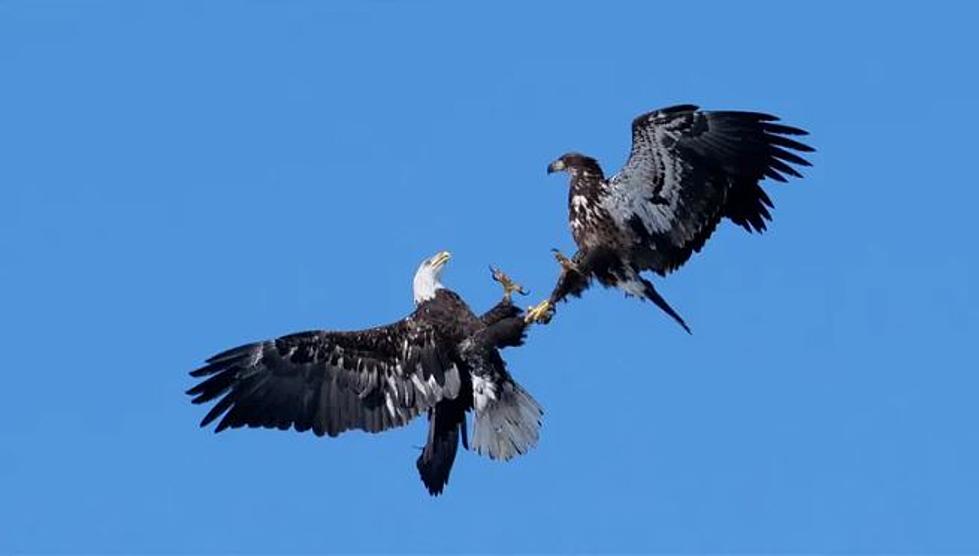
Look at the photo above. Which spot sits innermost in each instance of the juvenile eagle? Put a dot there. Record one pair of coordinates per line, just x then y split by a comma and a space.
686, 171
442, 360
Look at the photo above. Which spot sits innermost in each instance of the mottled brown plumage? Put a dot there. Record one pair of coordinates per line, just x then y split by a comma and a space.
442, 360
687, 170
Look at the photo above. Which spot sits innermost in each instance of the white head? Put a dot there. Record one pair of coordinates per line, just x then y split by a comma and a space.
427, 277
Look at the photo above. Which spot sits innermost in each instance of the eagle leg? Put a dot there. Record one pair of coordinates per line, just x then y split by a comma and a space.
571, 275
509, 286
566, 263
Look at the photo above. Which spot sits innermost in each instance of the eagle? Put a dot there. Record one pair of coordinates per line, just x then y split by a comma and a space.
688, 169
442, 360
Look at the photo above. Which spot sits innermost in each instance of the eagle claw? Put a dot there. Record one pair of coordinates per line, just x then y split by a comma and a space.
509, 286
542, 313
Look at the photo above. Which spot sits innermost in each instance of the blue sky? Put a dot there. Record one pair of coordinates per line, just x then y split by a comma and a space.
182, 177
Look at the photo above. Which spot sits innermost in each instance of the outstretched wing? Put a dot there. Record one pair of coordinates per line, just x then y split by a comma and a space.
688, 169
330, 382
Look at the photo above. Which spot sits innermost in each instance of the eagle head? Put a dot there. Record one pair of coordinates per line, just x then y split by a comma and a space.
426, 281
575, 163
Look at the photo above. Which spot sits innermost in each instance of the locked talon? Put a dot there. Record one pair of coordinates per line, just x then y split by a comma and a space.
540, 313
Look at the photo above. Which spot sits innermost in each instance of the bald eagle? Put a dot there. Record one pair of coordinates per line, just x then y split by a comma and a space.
442, 360
688, 169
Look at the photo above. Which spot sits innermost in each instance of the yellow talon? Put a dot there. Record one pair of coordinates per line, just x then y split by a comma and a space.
540, 313
509, 286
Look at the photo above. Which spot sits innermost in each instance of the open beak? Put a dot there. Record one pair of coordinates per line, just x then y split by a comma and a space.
441, 258
556, 166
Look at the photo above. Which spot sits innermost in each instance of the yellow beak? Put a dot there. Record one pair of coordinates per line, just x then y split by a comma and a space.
441, 258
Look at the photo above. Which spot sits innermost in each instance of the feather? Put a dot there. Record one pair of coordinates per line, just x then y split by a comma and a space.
687, 170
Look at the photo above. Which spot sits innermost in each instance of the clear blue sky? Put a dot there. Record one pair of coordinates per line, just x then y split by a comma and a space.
177, 178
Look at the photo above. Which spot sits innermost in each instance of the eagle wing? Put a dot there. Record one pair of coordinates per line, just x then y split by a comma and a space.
330, 382
688, 169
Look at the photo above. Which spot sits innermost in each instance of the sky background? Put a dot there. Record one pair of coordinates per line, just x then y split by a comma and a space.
177, 178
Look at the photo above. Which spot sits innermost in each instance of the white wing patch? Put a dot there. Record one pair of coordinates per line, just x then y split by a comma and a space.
452, 382
648, 170
419, 385
389, 402
484, 391
633, 287
624, 202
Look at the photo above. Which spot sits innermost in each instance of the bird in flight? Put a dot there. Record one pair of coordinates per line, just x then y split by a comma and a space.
442, 360
688, 169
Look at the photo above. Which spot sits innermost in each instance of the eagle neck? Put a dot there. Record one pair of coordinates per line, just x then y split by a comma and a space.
585, 204
585, 183
425, 286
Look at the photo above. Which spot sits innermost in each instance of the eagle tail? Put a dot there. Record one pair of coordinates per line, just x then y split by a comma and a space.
446, 420
650, 293
507, 419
